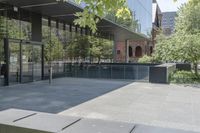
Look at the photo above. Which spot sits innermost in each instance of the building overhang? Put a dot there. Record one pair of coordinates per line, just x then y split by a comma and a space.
64, 12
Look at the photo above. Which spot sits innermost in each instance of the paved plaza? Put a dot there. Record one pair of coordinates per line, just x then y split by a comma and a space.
174, 106
63, 94
151, 104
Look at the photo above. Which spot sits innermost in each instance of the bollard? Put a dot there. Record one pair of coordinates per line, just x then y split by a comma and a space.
50, 75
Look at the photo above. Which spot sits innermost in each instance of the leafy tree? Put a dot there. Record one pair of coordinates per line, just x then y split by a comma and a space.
97, 9
78, 48
128, 22
91, 47
53, 47
184, 44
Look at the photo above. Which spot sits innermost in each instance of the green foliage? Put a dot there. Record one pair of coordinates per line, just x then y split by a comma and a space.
184, 77
96, 10
2, 27
53, 48
89, 46
146, 59
184, 44
129, 22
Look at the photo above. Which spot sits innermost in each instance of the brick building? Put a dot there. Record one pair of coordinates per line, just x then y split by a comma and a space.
149, 17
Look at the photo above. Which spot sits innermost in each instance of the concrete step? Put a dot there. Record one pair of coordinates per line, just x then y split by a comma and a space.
23, 121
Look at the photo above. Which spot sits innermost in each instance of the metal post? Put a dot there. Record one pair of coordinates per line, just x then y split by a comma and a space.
19, 71
126, 51
50, 62
7, 60
50, 75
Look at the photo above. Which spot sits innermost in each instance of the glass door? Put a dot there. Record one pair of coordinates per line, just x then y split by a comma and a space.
2, 64
37, 62
25, 64
14, 62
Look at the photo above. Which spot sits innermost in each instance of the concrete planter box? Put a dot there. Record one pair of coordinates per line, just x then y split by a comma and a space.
161, 73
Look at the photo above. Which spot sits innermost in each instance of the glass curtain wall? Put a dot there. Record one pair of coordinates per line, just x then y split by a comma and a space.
24, 56
2, 51
142, 10
65, 45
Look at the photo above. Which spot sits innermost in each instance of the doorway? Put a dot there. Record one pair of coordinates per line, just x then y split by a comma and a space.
25, 61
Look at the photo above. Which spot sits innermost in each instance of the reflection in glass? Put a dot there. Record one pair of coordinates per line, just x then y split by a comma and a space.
14, 67
37, 63
27, 63
2, 64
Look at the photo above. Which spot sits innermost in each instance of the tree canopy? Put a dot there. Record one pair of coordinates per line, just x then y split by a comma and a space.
184, 44
95, 10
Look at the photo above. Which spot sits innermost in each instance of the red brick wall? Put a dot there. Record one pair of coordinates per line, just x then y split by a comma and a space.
120, 46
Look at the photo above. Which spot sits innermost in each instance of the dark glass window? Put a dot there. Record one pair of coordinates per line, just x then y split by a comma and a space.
118, 51
138, 51
130, 51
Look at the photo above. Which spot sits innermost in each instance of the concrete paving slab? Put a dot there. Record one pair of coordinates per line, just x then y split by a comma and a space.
167, 106
51, 123
99, 126
11, 115
62, 94
151, 129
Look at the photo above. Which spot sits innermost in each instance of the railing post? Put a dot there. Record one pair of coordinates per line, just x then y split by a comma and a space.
50, 74
124, 71
111, 71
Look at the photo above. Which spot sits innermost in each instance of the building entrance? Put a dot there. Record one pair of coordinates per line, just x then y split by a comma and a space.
24, 58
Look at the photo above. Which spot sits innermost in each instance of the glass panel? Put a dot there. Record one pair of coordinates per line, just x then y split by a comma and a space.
105, 71
143, 73
37, 66
118, 72
2, 64
27, 63
14, 68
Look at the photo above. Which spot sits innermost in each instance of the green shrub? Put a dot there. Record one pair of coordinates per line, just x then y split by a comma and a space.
145, 59
184, 77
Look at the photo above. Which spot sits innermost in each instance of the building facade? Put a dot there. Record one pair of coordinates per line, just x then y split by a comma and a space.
147, 13
34, 35
168, 22
142, 10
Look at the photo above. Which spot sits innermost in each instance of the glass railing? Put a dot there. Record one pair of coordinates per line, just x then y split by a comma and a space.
138, 72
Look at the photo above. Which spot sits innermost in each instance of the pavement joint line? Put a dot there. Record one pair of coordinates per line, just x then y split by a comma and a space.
70, 124
24, 117
132, 130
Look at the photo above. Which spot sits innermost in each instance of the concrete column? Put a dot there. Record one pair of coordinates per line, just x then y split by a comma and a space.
114, 49
127, 51
36, 27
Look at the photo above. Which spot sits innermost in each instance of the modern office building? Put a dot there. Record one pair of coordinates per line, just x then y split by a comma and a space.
168, 22
142, 11
30, 30
148, 15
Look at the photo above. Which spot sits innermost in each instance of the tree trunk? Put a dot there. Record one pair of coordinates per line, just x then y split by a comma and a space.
99, 59
196, 68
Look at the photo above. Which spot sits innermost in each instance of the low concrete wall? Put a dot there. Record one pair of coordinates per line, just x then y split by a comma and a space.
23, 121
160, 73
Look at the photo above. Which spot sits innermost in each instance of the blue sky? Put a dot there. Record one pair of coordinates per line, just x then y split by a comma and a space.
170, 5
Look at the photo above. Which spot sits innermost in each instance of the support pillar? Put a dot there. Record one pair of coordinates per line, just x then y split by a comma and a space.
127, 51
36, 27
36, 35
7, 60
114, 49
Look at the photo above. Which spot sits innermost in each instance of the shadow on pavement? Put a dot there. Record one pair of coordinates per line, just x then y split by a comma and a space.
62, 94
